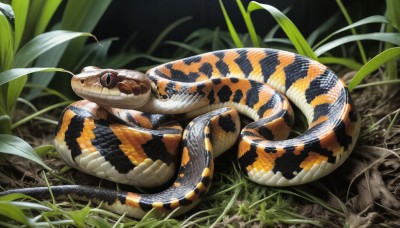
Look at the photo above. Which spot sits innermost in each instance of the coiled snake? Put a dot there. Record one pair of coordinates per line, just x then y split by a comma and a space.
103, 138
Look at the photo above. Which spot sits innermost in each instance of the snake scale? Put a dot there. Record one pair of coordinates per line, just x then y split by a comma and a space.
103, 136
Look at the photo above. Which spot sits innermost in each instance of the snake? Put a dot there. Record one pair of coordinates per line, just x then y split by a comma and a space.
126, 130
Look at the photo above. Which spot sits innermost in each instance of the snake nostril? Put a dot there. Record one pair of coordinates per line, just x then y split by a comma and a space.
83, 81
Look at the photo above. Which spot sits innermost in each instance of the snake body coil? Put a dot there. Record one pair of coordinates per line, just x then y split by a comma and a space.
115, 145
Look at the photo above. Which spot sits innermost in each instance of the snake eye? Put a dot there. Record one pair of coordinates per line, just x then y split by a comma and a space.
108, 80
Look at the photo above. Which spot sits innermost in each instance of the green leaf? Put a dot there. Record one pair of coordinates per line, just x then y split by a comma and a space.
373, 64
20, 8
349, 63
15, 88
385, 37
368, 20
7, 209
79, 216
165, 32
322, 28
6, 37
8, 12
10, 144
231, 28
47, 12
288, 27
50, 58
42, 43
12, 74
80, 16
249, 24
353, 30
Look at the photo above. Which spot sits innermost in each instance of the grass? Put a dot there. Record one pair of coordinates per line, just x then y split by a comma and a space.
363, 192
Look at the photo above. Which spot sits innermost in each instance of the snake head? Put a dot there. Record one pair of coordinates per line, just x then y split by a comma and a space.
118, 88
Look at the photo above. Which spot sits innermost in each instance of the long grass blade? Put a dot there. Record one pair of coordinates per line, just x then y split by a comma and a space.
43, 43
6, 37
368, 20
349, 63
47, 12
288, 27
392, 13
10, 144
165, 32
385, 37
353, 31
7, 76
249, 24
373, 64
20, 8
231, 28
80, 16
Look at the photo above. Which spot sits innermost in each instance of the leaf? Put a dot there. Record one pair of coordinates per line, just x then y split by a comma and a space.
373, 64
42, 43
385, 37
288, 27
7, 209
47, 12
231, 28
249, 24
20, 8
79, 216
80, 16
165, 32
10, 144
368, 20
12, 74
50, 58
6, 37
8, 12
322, 28
349, 63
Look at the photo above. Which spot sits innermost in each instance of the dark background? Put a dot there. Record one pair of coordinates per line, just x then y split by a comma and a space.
147, 18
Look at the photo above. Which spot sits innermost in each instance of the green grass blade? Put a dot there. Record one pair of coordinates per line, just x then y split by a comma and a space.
165, 32
231, 28
15, 88
322, 28
288, 27
10, 144
9, 75
373, 64
8, 210
353, 31
392, 15
249, 24
185, 46
349, 63
368, 20
50, 58
36, 114
378, 83
42, 43
6, 37
20, 8
80, 16
385, 37
47, 12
